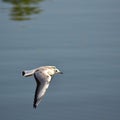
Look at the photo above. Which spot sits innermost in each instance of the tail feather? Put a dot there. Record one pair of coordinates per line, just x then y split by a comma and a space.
27, 73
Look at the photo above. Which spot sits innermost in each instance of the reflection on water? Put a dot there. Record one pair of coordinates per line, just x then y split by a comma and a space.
23, 9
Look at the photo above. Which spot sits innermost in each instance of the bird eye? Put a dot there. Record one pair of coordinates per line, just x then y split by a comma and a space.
56, 70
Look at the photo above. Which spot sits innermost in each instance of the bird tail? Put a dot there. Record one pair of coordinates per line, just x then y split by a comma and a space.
27, 73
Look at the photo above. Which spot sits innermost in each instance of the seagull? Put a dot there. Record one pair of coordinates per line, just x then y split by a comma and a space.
43, 76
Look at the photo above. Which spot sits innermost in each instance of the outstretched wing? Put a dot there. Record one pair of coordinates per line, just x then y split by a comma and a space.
42, 85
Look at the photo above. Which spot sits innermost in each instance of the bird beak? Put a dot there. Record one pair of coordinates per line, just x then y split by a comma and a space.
60, 72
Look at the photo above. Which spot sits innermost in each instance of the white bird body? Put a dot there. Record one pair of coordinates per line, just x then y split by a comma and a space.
43, 76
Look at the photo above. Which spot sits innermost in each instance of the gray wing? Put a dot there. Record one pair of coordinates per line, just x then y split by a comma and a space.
42, 85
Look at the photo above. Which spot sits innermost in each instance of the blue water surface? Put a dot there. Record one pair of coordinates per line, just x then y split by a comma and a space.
81, 38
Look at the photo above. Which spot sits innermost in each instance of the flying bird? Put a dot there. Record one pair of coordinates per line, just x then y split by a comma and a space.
43, 76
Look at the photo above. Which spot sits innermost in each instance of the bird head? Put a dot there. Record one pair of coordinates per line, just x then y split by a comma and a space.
57, 71
53, 70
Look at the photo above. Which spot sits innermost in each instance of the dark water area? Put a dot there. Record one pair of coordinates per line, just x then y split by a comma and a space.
81, 38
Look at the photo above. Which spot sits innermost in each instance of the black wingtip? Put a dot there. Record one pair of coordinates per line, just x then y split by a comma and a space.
34, 106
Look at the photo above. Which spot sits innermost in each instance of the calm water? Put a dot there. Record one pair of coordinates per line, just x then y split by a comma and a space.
80, 37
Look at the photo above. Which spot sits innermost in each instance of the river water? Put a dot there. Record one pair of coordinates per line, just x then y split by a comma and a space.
81, 38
